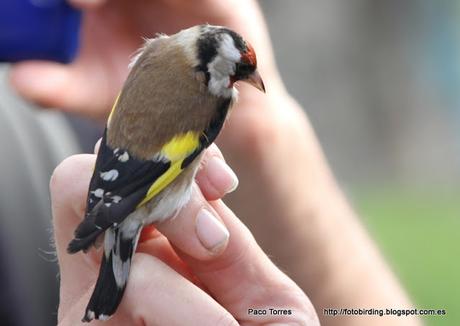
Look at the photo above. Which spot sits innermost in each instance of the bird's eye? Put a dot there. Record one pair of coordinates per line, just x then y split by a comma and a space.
243, 70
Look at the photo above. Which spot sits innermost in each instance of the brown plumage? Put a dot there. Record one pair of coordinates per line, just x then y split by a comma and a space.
171, 108
163, 87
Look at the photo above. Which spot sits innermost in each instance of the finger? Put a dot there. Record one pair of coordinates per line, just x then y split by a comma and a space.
243, 277
172, 300
86, 4
68, 186
196, 229
160, 247
215, 178
54, 85
157, 295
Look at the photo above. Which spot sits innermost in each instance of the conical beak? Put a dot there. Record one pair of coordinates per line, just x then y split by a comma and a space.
255, 80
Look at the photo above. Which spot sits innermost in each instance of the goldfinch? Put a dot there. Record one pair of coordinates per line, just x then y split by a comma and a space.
171, 108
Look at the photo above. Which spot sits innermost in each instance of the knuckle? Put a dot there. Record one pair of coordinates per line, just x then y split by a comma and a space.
211, 151
69, 180
62, 173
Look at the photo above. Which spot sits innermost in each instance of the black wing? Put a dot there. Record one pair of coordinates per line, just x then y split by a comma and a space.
114, 195
119, 183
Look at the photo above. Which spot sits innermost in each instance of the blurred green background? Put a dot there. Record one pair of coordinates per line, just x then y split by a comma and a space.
380, 81
418, 231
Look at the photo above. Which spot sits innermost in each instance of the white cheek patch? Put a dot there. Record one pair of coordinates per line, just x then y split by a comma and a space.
228, 50
222, 67
220, 71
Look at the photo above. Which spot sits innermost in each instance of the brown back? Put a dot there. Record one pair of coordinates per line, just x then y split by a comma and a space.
163, 96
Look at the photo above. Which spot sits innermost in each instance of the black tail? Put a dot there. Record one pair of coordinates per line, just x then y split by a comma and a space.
106, 295
113, 275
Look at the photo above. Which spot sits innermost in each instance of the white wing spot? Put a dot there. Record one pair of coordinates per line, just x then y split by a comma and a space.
104, 317
108, 204
116, 199
90, 315
159, 157
115, 151
111, 175
98, 193
123, 157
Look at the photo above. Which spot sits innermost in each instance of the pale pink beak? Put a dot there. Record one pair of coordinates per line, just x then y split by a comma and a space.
255, 80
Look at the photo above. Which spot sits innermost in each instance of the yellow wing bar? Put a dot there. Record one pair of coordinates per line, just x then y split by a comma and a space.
176, 151
181, 146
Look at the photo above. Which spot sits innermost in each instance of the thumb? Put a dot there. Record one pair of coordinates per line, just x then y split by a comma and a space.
68, 188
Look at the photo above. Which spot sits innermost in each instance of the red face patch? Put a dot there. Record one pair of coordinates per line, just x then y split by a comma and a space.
249, 56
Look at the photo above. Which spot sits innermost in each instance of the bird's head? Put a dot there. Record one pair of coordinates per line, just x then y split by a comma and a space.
223, 57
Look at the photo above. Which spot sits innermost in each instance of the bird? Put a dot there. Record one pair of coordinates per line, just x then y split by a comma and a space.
172, 106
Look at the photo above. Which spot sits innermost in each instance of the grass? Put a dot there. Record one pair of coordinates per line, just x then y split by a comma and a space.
419, 233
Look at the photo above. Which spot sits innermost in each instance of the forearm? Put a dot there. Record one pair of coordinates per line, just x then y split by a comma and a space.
302, 219
341, 266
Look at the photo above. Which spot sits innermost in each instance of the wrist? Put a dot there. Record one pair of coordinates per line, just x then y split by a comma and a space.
278, 149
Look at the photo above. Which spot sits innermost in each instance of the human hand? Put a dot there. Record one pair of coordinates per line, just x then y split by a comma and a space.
267, 139
263, 129
208, 271
111, 31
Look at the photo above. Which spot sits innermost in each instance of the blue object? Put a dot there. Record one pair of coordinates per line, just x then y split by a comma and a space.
38, 29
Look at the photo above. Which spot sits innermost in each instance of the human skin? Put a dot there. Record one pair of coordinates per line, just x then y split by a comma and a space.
287, 195
178, 280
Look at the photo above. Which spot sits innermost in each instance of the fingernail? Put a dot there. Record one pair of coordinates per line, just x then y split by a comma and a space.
211, 232
221, 175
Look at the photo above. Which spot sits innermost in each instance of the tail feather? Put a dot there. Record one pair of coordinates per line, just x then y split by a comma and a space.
106, 295
119, 248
